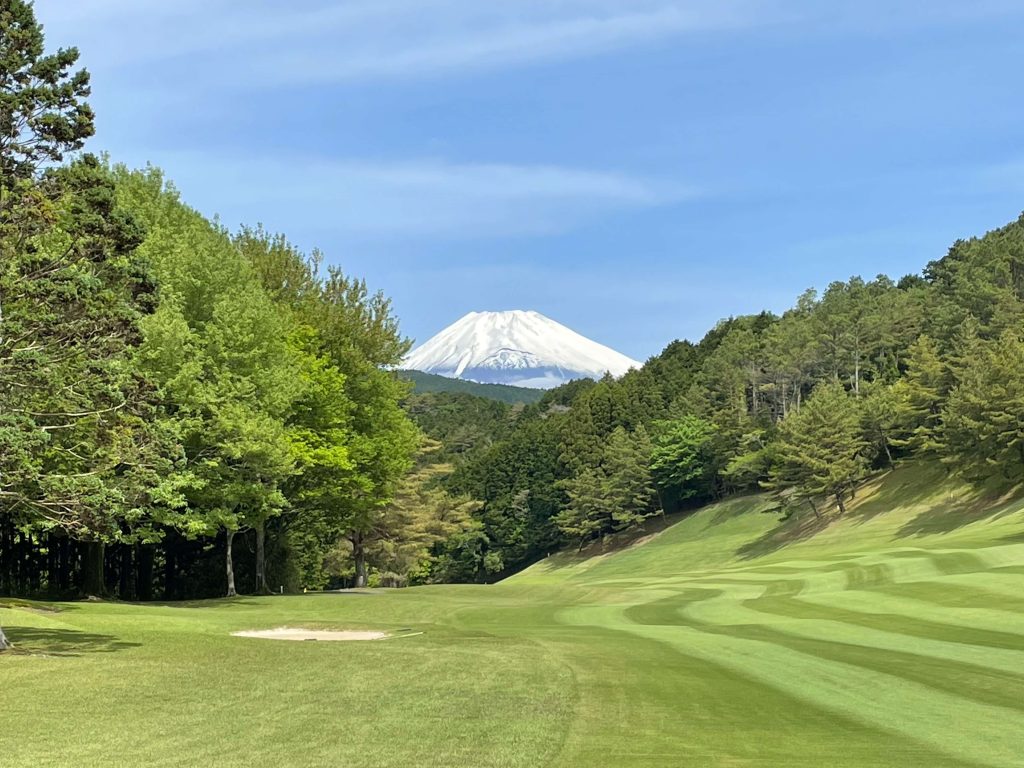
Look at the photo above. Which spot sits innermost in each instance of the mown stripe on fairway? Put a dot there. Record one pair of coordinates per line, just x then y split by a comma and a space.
730, 608
653, 704
971, 682
985, 734
949, 593
983, 675
891, 622
1002, 586
1002, 622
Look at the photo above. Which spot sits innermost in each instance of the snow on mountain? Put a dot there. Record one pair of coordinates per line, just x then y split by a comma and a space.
525, 349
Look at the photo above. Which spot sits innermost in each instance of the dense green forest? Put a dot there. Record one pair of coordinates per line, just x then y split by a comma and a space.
806, 404
188, 411
170, 390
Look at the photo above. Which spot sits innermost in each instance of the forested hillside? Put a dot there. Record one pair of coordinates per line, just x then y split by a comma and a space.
188, 411
430, 382
849, 381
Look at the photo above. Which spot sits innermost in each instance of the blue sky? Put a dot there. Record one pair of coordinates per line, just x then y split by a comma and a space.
635, 169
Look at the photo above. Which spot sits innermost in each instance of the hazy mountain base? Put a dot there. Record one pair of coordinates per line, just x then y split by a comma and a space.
540, 377
891, 636
430, 382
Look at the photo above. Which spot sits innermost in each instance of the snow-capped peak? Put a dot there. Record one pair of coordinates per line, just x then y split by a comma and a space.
517, 347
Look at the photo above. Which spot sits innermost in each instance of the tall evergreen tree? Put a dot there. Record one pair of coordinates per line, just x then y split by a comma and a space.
587, 512
919, 397
820, 449
68, 290
617, 495
984, 417
43, 109
628, 484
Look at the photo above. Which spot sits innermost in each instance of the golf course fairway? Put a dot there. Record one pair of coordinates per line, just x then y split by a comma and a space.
890, 636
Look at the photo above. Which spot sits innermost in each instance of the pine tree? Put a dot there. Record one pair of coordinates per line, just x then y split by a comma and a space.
421, 515
587, 512
628, 485
919, 397
43, 111
63, 264
984, 416
819, 450
883, 413
616, 495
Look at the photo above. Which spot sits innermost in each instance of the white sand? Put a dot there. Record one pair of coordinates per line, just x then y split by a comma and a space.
293, 633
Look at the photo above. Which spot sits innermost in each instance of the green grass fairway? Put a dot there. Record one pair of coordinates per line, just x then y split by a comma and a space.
894, 637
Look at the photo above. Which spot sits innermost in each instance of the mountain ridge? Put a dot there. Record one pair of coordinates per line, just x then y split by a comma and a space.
520, 348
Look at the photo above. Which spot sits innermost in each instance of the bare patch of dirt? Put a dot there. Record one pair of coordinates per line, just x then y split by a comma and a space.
297, 633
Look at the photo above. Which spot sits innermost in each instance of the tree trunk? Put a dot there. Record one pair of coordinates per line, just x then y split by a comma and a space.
63, 565
753, 388
888, 453
814, 507
839, 501
170, 568
661, 501
52, 565
144, 572
261, 560
92, 569
359, 556
7, 561
230, 566
4, 643
125, 583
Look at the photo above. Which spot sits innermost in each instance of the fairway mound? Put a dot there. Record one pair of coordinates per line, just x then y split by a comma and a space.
297, 633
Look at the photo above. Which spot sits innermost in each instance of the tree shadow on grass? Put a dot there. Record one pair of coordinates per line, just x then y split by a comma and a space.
738, 506
882, 493
946, 501
38, 641
212, 602
612, 542
951, 513
797, 527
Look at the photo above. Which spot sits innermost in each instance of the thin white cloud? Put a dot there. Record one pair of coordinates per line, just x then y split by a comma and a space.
310, 41
263, 42
257, 43
510, 44
429, 198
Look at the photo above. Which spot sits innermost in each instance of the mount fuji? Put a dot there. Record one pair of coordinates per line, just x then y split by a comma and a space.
524, 349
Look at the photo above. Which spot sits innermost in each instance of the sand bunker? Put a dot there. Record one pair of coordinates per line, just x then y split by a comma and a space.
332, 635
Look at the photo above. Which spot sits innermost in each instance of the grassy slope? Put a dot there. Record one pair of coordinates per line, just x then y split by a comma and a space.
892, 637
